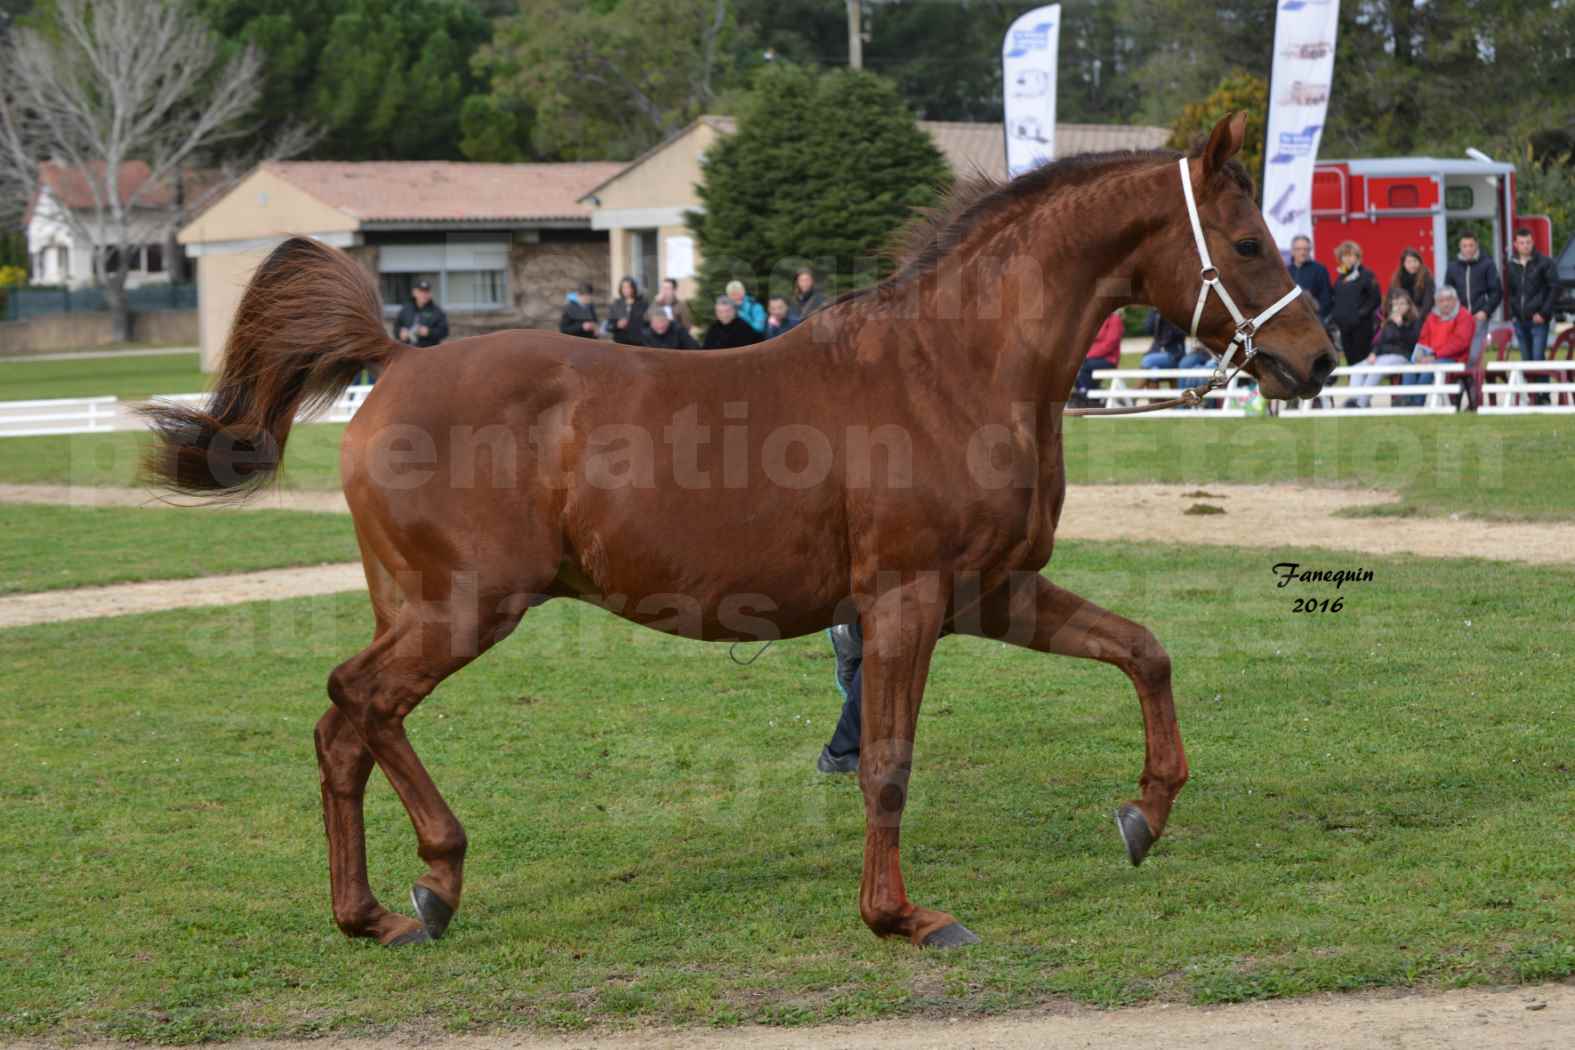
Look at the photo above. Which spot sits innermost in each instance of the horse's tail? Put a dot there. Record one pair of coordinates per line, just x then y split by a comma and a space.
309, 322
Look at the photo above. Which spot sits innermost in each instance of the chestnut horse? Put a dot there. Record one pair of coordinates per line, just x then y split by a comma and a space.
896, 459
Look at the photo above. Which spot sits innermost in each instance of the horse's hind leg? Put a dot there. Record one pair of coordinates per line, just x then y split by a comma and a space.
345, 763
374, 691
900, 631
1034, 613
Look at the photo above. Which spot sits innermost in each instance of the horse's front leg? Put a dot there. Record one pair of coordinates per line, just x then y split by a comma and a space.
1035, 613
900, 631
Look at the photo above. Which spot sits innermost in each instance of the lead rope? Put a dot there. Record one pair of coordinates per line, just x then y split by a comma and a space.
1245, 328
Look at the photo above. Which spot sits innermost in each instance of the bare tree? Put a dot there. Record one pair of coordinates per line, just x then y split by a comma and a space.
126, 80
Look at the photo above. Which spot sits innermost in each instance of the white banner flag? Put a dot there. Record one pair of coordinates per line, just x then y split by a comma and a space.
1028, 57
1304, 32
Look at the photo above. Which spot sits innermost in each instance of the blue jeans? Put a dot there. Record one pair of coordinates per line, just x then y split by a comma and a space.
1085, 375
1419, 378
1197, 359
1533, 340
1161, 359
850, 725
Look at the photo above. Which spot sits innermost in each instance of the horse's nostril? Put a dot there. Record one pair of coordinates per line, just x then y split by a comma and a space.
1322, 366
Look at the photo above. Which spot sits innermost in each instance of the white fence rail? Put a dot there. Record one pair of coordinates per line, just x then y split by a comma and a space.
1438, 394
92, 415
1528, 386
1512, 387
65, 415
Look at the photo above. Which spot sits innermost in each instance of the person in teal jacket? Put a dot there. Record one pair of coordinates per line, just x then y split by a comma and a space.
748, 307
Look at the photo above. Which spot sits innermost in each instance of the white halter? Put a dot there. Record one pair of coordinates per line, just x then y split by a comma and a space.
1245, 328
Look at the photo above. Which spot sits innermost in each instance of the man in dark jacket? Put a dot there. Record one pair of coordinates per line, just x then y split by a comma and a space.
1533, 283
421, 322
663, 331
1311, 275
1475, 277
579, 314
729, 330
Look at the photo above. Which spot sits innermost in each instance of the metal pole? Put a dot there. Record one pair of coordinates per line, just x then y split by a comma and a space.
855, 34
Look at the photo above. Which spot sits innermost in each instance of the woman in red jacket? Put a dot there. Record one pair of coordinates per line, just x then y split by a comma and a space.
1105, 353
1446, 336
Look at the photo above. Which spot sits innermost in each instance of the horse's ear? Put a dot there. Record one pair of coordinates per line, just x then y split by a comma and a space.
1224, 143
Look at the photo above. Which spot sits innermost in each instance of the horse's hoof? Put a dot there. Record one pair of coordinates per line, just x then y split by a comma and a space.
954, 936
435, 915
1134, 832
415, 936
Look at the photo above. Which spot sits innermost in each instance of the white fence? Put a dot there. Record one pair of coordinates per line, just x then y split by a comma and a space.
1511, 387
1436, 392
66, 415
1528, 386
91, 415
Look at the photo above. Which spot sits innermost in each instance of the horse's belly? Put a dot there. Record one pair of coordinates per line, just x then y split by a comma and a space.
759, 578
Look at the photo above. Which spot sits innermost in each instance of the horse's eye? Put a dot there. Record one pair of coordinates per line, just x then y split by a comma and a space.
1247, 249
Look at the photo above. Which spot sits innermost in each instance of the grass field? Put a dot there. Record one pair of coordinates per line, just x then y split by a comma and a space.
128, 378
43, 548
1381, 797
1497, 467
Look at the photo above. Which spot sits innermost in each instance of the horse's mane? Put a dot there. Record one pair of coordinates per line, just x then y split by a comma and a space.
934, 233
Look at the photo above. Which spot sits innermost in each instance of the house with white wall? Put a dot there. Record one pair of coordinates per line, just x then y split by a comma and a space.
59, 254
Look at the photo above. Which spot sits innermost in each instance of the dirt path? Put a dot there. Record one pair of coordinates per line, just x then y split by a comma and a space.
121, 599
110, 496
1266, 516
1287, 515
1473, 1019
1253, 516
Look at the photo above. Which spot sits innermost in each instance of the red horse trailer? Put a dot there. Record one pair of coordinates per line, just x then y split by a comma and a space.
1388, 204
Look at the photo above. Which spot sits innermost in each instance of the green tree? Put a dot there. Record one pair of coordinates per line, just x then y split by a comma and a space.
13, 248
1180, 47
493, 131
603, 80
1546, 186
822, 170
1436, 77
380, 79
1238, 91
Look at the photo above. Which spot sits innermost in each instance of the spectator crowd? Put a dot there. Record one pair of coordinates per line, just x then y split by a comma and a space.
739, 319
1418, 321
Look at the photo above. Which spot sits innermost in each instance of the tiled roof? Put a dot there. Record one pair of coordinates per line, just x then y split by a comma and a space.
973, 148
970, 148
445, 191
70, 187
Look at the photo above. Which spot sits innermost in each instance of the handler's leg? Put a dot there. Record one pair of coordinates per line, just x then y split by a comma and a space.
1035, 613
900, 634
841, 753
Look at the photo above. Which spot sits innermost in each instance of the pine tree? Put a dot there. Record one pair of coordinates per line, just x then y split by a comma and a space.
822, 170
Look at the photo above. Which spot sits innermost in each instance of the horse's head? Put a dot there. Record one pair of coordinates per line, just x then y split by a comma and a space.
1294, 355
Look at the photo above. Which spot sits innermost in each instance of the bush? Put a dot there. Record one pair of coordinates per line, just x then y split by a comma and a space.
1239, 91
10, 277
